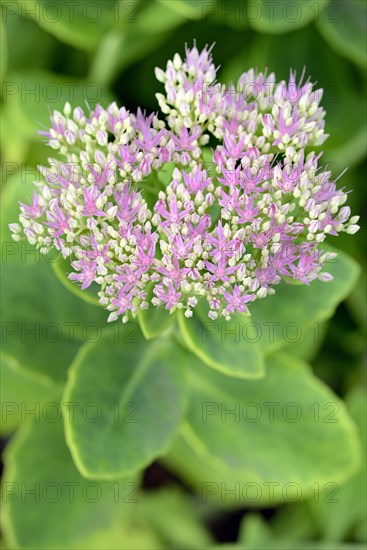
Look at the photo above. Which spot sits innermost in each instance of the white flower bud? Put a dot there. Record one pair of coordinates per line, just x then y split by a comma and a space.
14, 227
351, 229
262, 292
325, 277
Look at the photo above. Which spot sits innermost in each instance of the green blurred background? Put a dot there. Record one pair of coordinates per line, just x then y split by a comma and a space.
99, 51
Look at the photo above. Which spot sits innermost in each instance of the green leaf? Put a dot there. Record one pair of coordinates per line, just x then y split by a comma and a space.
139, 29
175, 516
81, 24
254, 531
34, 331
43, 324
154, 320
192, 9
283, 16
23, 398
144, 28
65, 510
288, 317
245, 439
32, 94
309, 345
160, 17
226, 346
128, 48
336, 517
294, 519
343, 25
139, 390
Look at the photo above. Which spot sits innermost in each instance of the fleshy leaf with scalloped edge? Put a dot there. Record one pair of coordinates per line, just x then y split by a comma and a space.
175, 515
139, 393
34, 332
69, 511
286, 432
23, 397
226, 346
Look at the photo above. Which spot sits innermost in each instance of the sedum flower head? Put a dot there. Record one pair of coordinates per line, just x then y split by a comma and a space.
218, 202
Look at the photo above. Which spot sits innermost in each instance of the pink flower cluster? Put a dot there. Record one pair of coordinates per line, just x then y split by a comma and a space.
220, 202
